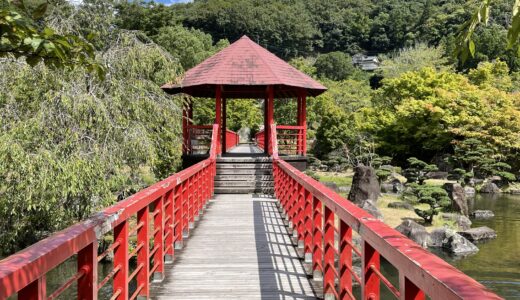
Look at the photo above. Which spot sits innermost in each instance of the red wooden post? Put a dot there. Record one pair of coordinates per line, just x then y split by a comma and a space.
408, 290
179, 218
329, 291
158, 241
317, 239
168, 226
185, 129
224, 126
87, 262
121, 260
308, 231
269, 119
302, 133
191, 200
143, 256
300, 218
36, 290
370, 279
218, 116
345, 261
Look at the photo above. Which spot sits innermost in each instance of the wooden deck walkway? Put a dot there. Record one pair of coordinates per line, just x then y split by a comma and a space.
240, 249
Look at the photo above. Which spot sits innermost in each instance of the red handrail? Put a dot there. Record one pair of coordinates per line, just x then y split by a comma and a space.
163, 212
314, 210
232, 139
260, 139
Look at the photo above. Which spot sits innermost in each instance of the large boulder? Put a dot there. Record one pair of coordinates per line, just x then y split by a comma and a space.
469, 191
387, 187
244, 134
481, 214
462, 222
401, 205
479, 234
365, 185
415, 232
437, 237
457, 196
457, 244
371, 208
490, 188
331, 185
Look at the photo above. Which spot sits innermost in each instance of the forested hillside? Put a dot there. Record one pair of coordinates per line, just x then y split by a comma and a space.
77, 135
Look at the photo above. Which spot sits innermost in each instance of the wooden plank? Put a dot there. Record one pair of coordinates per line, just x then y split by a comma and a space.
239, 250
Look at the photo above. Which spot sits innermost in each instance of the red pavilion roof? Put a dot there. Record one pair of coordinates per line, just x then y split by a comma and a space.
245, 69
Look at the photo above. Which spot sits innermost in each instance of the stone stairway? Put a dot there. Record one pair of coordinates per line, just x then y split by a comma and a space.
244, 175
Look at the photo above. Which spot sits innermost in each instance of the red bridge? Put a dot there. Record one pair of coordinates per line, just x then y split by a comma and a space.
240, 221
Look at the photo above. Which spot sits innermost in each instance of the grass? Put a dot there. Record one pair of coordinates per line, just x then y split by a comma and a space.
340, 179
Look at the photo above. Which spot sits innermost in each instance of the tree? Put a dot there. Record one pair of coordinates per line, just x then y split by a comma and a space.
417, 170
435, 197
147, 16
413, 59
20, 36
190, 46
421, 113
335, 66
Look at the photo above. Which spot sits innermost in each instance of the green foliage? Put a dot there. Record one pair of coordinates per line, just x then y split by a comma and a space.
465, 44
72, 144
335, 65
20, 36
414, 59
190, 46
147, 16
417, 170
434, 196
282, 27
473, 157
420, 114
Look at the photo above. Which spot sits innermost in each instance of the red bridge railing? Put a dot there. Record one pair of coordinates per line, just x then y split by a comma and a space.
232, 139
158, 218
290, 140
260, 139
323, 222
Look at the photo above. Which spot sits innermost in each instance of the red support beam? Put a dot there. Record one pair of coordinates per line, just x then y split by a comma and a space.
268, 119
144, 253
36, 290
371, 281
121, 261
329, 272
87, 262
224, 125
345, 261
218, 115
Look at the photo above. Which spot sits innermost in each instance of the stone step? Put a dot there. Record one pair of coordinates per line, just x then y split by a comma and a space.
244, 184
243, 190
244, 166
244, 171
242, 177
244, 160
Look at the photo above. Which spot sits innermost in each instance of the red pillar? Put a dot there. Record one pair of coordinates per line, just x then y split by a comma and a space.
224, 127
218, 114
269, 119
302, 121
185, 130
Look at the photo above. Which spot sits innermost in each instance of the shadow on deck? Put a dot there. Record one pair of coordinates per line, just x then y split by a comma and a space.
239, 249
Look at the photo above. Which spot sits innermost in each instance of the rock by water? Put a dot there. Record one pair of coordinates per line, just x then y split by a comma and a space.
490, 188
479, 234
457, 196
482, 214
415, 232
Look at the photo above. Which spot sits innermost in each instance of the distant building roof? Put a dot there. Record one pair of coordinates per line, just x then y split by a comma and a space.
245, 69
365, 62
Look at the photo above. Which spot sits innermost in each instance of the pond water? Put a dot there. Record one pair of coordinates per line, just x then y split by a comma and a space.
497, 264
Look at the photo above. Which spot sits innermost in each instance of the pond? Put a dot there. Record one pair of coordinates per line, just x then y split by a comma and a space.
497, 264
